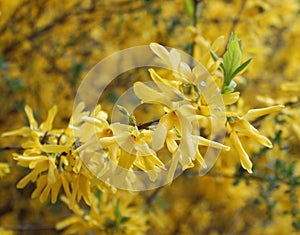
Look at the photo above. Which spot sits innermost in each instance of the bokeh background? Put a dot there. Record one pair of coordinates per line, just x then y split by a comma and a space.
47, 47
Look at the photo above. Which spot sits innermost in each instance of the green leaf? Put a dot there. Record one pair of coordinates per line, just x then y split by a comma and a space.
123, 110
227, 89
242, 68
189, 7
222, 66
124, 219
117, 211
231, 60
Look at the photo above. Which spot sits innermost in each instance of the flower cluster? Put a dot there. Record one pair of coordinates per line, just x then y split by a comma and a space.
72, 160
49, 154
53, 155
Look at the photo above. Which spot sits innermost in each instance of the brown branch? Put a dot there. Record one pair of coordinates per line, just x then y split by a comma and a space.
11, 148
152, 196
30, 227
146, 124
44, 138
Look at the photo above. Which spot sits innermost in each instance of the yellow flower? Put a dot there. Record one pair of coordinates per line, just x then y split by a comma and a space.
134, 147
50, 156
240, 126
244, 128
244, 158
44, 171
175, 125
33, 126
35, 146
181, 70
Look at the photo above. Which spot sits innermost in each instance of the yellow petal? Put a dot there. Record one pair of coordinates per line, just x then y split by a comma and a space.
253, 114
230, 98
31, 119
155, 160
77, 165
27, 178
144, 163
160, 51
244, 128
149, 95
51, 174
213, 67
65, 184
151, 158
158, 79
153, 174
187, 145
173, 166
172, 93
171, 59
47, 125
218, 44
40, 185
244, 158
159, 137
200, 158
44, 195
68, 222
209, 143
77, 115
23, 131
55, 191
126, 159
54, 148
34, 161
171, 145
84, 188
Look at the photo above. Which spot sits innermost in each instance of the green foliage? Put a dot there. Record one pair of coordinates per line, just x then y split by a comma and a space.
189, 7
231, 64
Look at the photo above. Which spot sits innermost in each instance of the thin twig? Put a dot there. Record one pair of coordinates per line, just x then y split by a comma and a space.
11, 148
146, 124
152, 196
30, 227
44, 138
